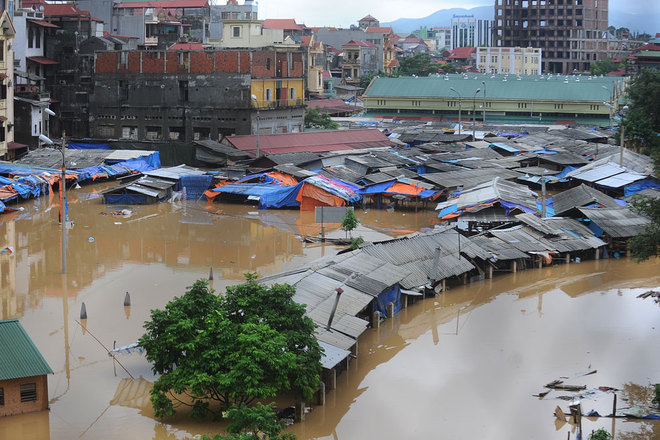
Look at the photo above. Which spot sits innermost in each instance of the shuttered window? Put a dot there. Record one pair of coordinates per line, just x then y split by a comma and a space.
2, 396
28, 392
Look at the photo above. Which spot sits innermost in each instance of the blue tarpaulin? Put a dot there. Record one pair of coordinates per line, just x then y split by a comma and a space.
640, 185
125, 199
283, 197
393, 295
196, 185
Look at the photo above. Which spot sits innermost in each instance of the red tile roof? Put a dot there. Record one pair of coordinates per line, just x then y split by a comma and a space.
166, 4
360, 43
648, 46
315, 141
379, 30
281, 23
306, 40
44, 24
462, 53
63, 9
368, 18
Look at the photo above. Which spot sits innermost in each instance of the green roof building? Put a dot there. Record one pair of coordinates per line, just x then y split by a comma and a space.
495, 98
23, 370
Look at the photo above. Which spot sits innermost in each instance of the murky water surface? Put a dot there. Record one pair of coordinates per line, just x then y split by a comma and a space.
465, 364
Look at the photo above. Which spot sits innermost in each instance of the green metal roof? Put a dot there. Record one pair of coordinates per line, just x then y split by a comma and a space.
524, 87
19, 356
648, 53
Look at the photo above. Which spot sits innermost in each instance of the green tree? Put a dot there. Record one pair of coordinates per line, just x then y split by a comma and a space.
419, 64
647, 244
315, 118
600, 434
248, 423
210, 354
642, 121
603, 67
349, 221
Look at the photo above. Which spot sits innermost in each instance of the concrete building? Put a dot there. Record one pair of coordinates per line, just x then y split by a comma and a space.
196, 95
23, 372
468, 31
230, 11
360, 59
571, 34
382, 38
7, 33
316, 62
509, 60
488, 97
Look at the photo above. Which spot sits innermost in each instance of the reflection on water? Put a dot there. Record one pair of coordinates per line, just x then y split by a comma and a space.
462, 365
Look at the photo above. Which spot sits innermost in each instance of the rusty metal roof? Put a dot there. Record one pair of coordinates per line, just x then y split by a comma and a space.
20, 357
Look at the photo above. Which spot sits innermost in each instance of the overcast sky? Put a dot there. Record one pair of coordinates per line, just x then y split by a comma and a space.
343, 13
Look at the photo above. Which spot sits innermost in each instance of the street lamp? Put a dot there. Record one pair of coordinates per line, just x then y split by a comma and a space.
63, 215
623, 114
474, 112
483, 83
459, 108
256, 104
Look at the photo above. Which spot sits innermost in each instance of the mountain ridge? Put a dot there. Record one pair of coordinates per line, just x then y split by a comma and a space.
636, 22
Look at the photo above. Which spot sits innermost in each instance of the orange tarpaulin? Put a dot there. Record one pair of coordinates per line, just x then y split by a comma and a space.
211, 195
284, 179
311, 196
404, 188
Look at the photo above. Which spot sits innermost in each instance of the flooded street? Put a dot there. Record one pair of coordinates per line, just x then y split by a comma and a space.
465, 364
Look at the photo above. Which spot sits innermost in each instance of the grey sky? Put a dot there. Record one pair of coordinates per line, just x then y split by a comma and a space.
343, 13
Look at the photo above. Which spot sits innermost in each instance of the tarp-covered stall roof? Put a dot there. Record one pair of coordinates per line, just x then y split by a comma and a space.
617, 223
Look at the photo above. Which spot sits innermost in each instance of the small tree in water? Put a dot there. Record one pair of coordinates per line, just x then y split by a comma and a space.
349, 222
600, 434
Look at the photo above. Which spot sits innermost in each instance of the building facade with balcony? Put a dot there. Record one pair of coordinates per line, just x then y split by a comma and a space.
7, 33
360, 59
196, 94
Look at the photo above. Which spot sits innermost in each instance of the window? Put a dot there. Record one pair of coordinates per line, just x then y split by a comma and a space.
30, 37
267, 63
269, 94
2, 397
29, 392
292, 93
236, 31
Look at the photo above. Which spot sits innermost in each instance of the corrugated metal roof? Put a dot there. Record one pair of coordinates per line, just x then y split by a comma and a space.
598, 172
294, 171
529, 87
580, 196
20, 357
295, 158
523, 239
175, 173
488, 192
315, 141
502, 250
622, 179
617, 223
332, 355
469, 178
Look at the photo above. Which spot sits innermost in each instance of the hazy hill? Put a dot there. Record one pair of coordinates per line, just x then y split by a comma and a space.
634, 21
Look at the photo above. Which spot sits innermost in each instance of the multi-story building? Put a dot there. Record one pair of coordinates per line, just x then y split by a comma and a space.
572, 34
509, 60
360, 59
230, 11
197, 94
442, 36
468, 31
368, 21
7, 33
316, 62
382, 38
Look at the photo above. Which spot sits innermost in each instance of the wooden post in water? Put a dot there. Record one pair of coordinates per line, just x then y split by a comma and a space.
332, 379
489, 272
390, 310
375, 319
465, 278
614, 406
405, 301
320, 394
540, 262
300, 411
444, 285
514, 266
568, 258
597, 254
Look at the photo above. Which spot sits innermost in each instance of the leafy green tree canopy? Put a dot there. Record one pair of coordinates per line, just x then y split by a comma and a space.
647, 244
420, 64
349, 221
315, 118
248, 423
209, 351
603, 67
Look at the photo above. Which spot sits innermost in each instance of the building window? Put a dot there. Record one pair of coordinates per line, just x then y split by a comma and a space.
292, 93
269, 95
236, 31
29, 392
267, 63
30, 37
2, 397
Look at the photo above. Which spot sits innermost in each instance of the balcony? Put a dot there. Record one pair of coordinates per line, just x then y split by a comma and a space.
151, 41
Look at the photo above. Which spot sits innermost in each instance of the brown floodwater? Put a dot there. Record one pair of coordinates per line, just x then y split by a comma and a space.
465, 364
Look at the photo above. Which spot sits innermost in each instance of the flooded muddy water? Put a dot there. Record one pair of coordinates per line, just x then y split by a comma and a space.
464, 364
